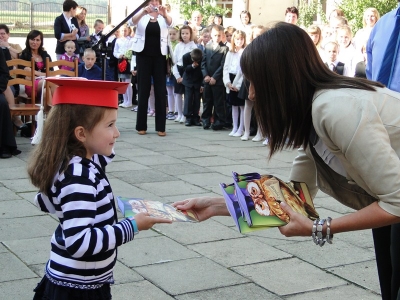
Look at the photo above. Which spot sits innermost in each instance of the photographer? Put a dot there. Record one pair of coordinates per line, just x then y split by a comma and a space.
151, 46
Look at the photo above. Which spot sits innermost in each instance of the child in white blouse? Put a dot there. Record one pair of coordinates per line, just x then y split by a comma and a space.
186, 45
233, 77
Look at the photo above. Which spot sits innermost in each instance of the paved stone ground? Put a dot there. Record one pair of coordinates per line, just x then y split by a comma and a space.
208, 260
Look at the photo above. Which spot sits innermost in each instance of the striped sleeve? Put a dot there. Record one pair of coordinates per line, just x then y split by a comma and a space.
87, 232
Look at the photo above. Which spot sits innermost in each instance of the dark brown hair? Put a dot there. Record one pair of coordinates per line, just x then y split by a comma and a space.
285, 69
59, 144
188, 28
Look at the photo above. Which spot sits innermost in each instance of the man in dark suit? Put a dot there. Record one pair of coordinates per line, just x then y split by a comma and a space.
66, 28
193, 81
212, 67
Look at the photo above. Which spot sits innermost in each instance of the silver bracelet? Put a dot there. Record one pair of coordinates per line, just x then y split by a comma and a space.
314, 231
321, 239
329, 236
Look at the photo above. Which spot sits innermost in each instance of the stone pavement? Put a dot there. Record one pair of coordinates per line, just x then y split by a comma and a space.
208, 260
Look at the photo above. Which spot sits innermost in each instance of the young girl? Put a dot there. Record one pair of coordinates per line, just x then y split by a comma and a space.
315, 34
68, 167
347, 52
122, 47
248, 106
173, 37
233, 78
186, 45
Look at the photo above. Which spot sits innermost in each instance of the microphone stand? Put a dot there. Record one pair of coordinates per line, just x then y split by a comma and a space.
101, 44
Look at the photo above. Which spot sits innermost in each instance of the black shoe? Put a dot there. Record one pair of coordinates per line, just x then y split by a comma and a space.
196, 123
188, 122
216, 127
5, 153
206, 124
228, 126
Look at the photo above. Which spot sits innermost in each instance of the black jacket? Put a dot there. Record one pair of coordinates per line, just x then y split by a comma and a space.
61, 26
192, 77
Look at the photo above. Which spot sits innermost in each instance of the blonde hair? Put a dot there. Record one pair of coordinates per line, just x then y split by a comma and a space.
236, 34
71, 43
89, 51
314, 29
346, 28
374, 11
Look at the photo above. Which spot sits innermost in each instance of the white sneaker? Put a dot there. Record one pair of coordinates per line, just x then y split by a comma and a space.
232, 132
265, 142
238, 133
178, 119
245, 137
182, 120
257, 138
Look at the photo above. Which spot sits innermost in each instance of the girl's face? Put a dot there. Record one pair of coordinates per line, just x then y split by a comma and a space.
239, 41
343, 38
124, 31
217, 20
370, 19
35, 43
245, 19
314, 37
185, 35
228, 36
101, 139
173, 35
82, 15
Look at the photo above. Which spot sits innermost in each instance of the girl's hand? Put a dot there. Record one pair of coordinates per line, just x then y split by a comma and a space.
144, 221
298, 225
203, 207
179, 80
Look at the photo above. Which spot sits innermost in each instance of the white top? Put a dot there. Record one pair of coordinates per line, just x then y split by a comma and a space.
180, 50
122, 45
362, 129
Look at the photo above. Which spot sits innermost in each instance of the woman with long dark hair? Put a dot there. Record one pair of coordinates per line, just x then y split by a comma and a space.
34, 48
348, 131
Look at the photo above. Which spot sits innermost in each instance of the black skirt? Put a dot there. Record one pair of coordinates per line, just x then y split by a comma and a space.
232, 98
244, 90
179, 88
46, 290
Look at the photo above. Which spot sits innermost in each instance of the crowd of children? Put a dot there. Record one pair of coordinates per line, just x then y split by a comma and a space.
214, 78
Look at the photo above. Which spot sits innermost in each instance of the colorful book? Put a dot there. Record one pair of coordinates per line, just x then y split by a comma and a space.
253, 201
132, 206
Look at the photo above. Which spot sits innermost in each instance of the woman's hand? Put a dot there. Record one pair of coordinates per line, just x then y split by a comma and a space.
179, 80
144, 221
162, 10
298, 225
204, 207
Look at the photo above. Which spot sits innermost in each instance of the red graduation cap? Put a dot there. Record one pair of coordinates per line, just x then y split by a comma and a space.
87, 92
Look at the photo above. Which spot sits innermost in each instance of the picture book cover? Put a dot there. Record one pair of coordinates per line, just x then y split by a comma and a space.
132, 206
258, 198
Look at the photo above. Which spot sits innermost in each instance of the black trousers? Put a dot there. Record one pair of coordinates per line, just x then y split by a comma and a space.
7, 138
387, 252
214, 97
192, 102
148, 67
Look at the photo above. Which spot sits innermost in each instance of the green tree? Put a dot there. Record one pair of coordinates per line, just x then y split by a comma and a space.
206, 7
354, 10
308, 12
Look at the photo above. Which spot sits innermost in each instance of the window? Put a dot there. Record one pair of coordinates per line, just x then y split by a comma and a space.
227, 4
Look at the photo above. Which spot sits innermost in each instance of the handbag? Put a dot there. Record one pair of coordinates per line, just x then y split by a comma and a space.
124, 67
